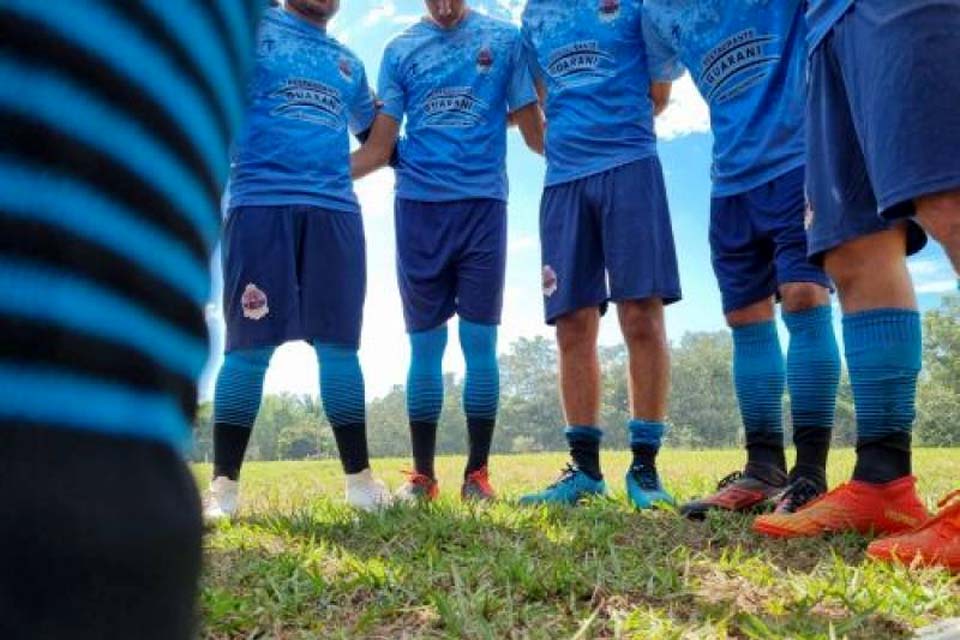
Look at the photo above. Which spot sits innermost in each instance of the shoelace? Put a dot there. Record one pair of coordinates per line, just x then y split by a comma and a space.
729, 479
646, 477
799, 493
566, 475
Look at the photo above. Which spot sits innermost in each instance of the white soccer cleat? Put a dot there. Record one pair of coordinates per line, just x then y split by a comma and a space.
366, 493
222, 501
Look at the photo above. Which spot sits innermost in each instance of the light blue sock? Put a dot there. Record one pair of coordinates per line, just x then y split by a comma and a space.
813, 367
425, 377
760, 378
341, 385
239, 388
481, 386
884, 355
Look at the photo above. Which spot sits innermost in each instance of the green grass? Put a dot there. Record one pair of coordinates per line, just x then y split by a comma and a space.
298, 564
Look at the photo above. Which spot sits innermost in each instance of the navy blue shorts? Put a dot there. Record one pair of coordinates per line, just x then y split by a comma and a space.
757, 241
607, 237
451, 258
884, 118
293, 273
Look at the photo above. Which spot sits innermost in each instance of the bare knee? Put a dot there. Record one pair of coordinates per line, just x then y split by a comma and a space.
642, 321
761, 311
939, 214
578, 330
871, 271
801, 296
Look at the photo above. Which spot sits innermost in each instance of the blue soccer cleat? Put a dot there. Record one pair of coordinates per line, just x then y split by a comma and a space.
644, 490
573, 486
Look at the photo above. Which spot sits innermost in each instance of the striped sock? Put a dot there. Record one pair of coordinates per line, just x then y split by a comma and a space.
481, 389
425, 395
236, 402
760, 378
645, 438
584, 444
342, 392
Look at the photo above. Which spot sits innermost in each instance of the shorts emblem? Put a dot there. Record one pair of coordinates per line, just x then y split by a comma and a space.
254, 303
549, 281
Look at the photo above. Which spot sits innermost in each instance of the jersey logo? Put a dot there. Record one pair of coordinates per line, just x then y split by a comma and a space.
579, 64
735, 65
311, 101
346, 71
254, 303
454, 107
549, 281
609, 10
484, 60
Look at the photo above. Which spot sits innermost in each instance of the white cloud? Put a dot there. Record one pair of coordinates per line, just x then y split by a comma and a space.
687, 113
386, 10
938, 286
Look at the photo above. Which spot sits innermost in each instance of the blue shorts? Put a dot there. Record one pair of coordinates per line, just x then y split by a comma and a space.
293, 273
757, 241
607, 237
883, 118
451, 258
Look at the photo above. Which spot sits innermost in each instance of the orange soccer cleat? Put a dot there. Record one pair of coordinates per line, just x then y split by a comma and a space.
418, 488
893, 507
935, 543
477, 488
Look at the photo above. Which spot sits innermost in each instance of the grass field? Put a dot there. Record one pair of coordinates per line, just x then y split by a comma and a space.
298, 564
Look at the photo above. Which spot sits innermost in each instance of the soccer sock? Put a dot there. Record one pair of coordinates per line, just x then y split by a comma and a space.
342, 392
425, 395
883, 349
645, 437
760, 378
585, 449
236, 402
813, 375
481, 389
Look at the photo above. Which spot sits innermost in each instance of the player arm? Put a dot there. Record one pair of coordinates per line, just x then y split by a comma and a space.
530, 121
660, 95
663, 62
378, 148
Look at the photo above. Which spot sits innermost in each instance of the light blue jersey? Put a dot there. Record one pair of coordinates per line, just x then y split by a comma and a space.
455, 87
821, 16
747, 58
306, 92
591, 58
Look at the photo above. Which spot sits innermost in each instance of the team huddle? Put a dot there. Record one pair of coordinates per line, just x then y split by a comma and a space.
835, 154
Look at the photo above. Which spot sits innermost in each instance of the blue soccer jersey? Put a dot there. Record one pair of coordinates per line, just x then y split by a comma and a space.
306, 92
455, 87
821, 16
591, 58
747, 58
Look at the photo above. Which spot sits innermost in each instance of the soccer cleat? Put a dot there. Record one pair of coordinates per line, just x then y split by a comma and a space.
644, 489
222, 501
935, 543
863, 507
797, 495
571, 487
366, 493
739, 491
418, 487
476, 487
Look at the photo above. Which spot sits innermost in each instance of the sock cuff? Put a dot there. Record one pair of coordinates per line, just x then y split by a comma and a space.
249, 358
808, 319
883, 337
646, 432
756, 335
429, 345
584, 432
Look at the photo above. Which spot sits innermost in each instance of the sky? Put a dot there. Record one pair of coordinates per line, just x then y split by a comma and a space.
685, 143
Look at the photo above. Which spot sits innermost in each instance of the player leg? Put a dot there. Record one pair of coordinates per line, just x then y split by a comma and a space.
865, 256
575, 296
481, 270
428, 291
939, 214
261, 312
743, 261
333, 283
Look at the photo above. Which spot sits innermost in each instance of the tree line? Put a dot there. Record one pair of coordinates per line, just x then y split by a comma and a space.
703, 407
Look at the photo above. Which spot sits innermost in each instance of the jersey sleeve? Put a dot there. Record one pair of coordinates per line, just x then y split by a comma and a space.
520, 91
390, 86
363, 109
529, 53
662, 58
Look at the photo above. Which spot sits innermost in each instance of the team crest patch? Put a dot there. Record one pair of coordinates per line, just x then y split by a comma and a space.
549, 281
485, 60
346, 71
609, 10
254, 303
